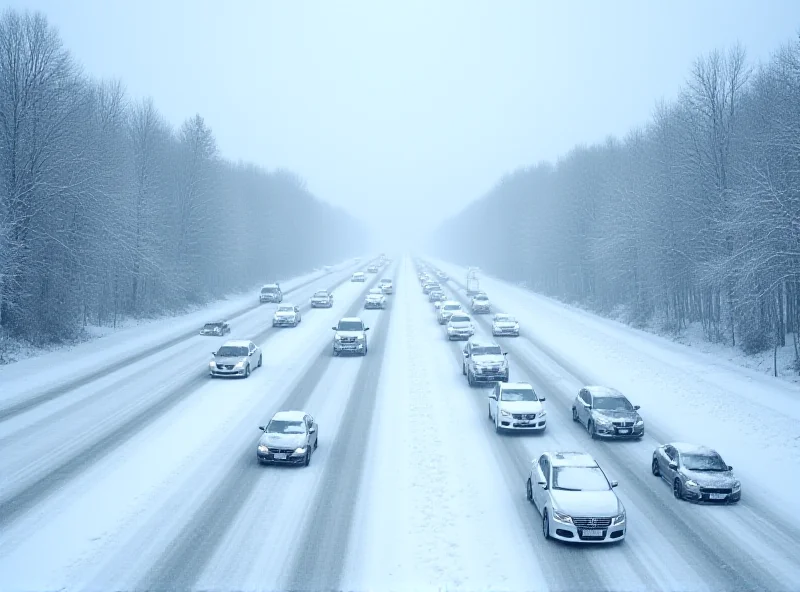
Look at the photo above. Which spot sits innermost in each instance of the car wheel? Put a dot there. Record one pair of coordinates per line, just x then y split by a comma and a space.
307, 460
655, 468
490, 414
592, 431
316, 441
335, 353
529, 490
677, 489
464, 369
247, 371
470, 378
497, 428
260, 360
574, 414
545, 526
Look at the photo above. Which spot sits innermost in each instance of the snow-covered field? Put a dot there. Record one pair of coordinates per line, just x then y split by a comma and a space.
145, 477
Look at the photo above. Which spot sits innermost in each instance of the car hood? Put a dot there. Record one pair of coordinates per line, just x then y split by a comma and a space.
480, 302
711, 478
615, 415
522, 406
284, 314
459, 325
283, 440
505, 323
448, 313
229, 359
597, 504
320, 297
350, 334
375, 297
490, 360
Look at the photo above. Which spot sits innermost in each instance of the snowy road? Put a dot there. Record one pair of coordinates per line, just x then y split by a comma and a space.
144, 476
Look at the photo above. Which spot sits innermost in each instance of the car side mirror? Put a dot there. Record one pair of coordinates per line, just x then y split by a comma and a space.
366, 328
312, 429
493, 396
637, 407
543, 484
614, 483
542, 399
587, 405
262, 428
466, 354
673, 465
334, 328
730, 468
214, 354
505, 353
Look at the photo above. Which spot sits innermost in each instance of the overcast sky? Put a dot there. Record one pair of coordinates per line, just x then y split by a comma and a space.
402, 111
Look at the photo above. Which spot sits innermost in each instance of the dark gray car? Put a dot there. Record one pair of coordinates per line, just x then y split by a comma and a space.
696, 473
607, 413
291, 437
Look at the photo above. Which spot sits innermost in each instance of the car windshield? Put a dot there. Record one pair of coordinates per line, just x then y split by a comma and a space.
322, 294
350, 326
375, 291
212, 326
487, 350
285, 309
268, 290
579, 479
277, 426
518, 394
612, 404
386, 281
505, 319
452, 307
481, 298
704, 462
459, 319
232, 351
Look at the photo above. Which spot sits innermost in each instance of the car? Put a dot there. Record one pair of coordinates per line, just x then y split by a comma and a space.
372, 269
696, 473
322, 299
460, 326
575, 499
287, 315
436, 295
442, 276
215, 328
235, 358
358, 277
386, 286
428, 286
607, 413
437, 306
291, 437
271, 293
375, 299
505, 325
447, 310
480, 304
484, 362
350, 337
516, 406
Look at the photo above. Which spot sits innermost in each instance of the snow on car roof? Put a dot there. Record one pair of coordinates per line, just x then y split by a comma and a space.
502, 315
478, 342
269, 286
685, 448
604, 391
386, 281
375, 291
237, 343
285, 305
572, 459
450, 302
515, 385
351, 319
289, 416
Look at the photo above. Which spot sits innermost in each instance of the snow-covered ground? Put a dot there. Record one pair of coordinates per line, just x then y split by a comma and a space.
146, 477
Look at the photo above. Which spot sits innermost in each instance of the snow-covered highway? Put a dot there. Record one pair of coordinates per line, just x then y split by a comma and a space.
144, 476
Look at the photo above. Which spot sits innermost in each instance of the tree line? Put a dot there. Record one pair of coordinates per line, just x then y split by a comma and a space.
107, 211
695, 217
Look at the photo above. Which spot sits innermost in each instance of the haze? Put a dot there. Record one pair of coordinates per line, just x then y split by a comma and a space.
404, 112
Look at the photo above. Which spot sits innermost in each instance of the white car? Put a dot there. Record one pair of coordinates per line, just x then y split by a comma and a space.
575, 499
447, 309
235, 358
386, 286
287, 315
375, 299
460, 327
358, 277
516, 406
505, 324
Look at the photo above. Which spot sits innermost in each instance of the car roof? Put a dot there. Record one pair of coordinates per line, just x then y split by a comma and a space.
479, 342
451, 302
604, 391
348, 319
321, 292
237, 343
358, 272
515, 385
571, 459
503, 314
460, 313
685, 448
289, 415
269, 286
286, 305
215, 322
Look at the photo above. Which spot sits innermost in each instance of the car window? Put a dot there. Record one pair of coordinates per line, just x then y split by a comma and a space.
459, 319
612, 404
231, 351
519, 394
580, 479
350, 326
670, 452
710, 461
286, 427
211, 326
487, 350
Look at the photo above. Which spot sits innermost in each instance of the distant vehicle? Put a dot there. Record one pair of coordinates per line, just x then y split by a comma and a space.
484, 362
271, 293
516, 406
436, 295
473, 284
387, 287
481, 304
460, 327
505, 324
437, 306
235, 358
287, 315
215, 328
358, 277
442, 276
607, 413
575, 499
322, 299
350, 337
375, 299
448, 308
372, 269
426, 289
696, 473
290, 437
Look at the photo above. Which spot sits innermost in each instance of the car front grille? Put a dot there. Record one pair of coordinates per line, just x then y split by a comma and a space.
281, 450
716, 490
623, 424
225, 366
348, 340
591, 523
523, 415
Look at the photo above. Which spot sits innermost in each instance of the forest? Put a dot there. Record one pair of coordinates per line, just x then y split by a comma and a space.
108, 211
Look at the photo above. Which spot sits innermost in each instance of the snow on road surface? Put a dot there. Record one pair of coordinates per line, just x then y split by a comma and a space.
146, 478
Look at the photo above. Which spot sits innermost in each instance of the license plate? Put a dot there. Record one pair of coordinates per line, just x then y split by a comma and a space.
624, 431
592, 533
717, 496
524, 423
349, 346
280, 456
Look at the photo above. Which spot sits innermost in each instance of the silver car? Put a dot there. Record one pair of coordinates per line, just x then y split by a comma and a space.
375, 299
287, 315
576, 500
446, 310
235, 358
322, 299
460, 327
291, 437
696, 473
607, 413
350, 337
505, 324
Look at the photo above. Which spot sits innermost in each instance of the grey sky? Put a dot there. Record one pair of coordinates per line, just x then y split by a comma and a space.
400, 111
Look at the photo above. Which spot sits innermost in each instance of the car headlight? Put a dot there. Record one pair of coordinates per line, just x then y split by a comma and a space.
263, 449
299, 450
338, 337
691, 483
639, 422
362, 337
737, 486
212, 364
505, 413
565, 518
543, 414
618, 519
239, 364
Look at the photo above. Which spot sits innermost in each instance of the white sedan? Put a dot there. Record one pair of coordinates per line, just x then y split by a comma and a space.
516, 406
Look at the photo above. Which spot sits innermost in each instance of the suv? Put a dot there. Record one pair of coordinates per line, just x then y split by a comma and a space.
350, 337
358, 277
322, 299
215, 328
429, 286
607, 413
287, 315
484, 362
460, 326
447, 310
271, 293
386, 286
481, 304
375, 299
